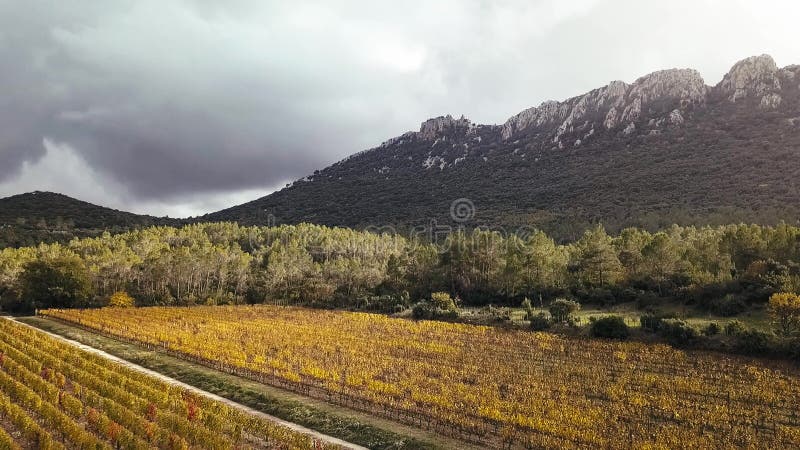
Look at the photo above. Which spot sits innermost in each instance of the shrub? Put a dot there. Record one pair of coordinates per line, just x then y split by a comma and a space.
422, 310
561, 310
754, 342
677, 332
652, 322
383, 303
540, 322
711, 329
611, 327
428, 311
443, 300
598, 296
727, 306
528, 307
793, 349
647, 300
500, 314
734, 327
121, 299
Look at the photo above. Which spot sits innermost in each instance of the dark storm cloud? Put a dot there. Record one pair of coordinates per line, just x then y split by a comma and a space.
189, 106
178, 98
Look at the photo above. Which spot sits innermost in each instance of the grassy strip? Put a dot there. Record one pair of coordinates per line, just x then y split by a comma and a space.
325, 418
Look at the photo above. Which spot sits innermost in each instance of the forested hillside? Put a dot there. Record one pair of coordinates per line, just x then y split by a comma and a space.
723, 269
28, 219
664, 149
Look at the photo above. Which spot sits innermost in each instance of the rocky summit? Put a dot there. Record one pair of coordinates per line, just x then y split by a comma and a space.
665, 148
660, 96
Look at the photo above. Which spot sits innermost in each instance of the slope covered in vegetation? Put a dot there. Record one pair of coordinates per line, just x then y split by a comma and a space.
28, 219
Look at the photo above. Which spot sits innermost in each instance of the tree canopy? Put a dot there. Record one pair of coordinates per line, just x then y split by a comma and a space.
722, 268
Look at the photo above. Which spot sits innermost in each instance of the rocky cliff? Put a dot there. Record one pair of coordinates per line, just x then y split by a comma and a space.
665, 148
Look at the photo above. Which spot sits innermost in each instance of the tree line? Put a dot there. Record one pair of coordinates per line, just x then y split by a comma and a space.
724, 269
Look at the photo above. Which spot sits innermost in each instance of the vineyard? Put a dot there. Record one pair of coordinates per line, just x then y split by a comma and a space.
56, 396
489, 386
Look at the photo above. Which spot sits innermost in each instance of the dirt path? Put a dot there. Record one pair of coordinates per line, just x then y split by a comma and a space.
172, 381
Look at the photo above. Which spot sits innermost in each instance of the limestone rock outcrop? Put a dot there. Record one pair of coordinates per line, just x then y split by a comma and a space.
433, 128
755, 76
617, 104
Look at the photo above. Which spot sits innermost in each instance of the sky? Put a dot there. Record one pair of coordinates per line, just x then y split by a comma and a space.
184, 107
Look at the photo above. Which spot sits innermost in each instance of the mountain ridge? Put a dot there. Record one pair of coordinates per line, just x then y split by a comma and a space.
672, 110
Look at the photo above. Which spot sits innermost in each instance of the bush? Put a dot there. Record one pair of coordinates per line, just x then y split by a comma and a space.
528, 307
383, 303
793, 349
734, 328
754, 342
727, 306
677, 332
121, 299
561, 310
427, 311
648, 300
540, 322
711, 329
596, 296
500, 314
422, 310
652, 322
611, 327
442, 300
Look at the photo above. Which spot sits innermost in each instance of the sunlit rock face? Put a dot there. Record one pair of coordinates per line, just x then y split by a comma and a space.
617, 105
436, 127
755, 76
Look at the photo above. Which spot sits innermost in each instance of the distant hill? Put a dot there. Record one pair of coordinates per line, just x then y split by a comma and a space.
666, 148
34, 217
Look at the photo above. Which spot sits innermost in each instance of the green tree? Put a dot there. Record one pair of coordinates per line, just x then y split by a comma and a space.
744, 244
287, 268
595, 259
545, 262
662, 258
512, 280
457, 262
706, 260
630, 243
62, 282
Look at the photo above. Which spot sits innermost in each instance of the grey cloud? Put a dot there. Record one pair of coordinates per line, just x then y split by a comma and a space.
181, 99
